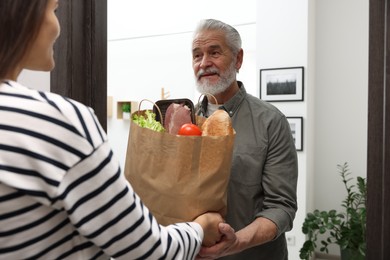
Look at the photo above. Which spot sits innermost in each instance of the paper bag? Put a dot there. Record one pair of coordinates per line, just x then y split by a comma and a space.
179, 177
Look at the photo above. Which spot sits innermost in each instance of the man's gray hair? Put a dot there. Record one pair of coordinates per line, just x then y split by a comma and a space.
233, 38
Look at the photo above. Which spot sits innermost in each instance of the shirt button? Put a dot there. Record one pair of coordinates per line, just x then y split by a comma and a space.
231, 113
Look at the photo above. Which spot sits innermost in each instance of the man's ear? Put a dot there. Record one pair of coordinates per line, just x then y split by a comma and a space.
240, 56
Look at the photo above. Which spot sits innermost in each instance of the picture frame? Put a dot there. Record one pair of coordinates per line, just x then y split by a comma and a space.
282, 84
296, 126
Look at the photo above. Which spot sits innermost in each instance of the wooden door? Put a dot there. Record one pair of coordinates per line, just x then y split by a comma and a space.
378, 154
81, 54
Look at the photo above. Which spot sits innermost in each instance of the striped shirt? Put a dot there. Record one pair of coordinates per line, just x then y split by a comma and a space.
62, 192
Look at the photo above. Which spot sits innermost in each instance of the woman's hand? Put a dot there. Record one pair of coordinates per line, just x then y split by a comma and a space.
225, 246
209, 222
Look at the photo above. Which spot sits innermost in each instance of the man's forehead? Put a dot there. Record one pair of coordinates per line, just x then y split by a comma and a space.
208, 39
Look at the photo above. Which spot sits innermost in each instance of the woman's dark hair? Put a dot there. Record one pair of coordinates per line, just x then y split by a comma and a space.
20, 21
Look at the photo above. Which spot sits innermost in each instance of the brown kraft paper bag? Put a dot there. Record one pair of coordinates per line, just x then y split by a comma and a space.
179, 177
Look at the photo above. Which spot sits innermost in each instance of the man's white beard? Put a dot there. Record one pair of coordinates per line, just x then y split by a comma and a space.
226, 79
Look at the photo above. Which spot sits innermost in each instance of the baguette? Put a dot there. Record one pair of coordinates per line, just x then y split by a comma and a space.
218, 124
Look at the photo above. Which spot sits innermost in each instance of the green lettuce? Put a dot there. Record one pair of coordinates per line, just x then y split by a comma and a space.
148, 121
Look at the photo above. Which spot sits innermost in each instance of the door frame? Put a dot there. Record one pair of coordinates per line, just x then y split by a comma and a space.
81, 54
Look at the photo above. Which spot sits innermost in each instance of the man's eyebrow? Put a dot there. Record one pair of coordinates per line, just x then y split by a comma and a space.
211, 47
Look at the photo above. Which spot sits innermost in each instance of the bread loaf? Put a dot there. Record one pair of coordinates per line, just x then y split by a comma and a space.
218, 124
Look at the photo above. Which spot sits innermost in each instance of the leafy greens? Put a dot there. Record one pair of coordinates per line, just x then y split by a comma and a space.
148, 121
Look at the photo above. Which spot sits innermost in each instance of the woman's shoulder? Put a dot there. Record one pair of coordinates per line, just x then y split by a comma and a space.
52, 102
56, 108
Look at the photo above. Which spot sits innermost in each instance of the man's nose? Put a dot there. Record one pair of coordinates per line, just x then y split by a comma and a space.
205, 62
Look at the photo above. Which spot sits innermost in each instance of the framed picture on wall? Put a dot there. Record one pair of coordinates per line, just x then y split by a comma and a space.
281, 84
296, 126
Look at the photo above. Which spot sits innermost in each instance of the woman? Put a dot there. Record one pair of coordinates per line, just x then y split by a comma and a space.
62, 193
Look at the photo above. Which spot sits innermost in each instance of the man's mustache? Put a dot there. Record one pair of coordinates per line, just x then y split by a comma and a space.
203, 72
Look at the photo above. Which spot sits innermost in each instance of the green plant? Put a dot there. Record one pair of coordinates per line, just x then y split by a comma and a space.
126, 107
346, 229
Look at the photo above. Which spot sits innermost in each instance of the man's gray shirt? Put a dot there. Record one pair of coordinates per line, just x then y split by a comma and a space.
264, 171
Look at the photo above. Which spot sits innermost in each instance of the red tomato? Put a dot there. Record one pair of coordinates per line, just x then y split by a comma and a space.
189, 129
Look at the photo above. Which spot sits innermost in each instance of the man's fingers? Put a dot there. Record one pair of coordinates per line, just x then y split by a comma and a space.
226, 230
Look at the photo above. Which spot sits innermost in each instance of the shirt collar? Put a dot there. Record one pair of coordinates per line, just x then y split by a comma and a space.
233, 104
6, 82
230, 106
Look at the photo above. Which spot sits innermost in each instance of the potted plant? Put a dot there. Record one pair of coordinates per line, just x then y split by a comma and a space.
346, 229
126, 108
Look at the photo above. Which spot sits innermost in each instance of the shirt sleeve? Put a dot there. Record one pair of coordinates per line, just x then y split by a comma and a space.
280, 175
104, 208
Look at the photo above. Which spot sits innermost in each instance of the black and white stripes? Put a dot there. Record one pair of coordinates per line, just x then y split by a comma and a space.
62, 193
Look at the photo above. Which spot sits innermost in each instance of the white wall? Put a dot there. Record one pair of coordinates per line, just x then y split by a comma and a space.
330, 39
341, 104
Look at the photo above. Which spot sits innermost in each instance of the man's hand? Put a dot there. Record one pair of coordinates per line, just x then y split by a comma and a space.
224, 247
260, 231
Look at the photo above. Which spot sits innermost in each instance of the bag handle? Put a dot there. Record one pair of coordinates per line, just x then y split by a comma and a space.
154, 104
207, 95
202, 95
